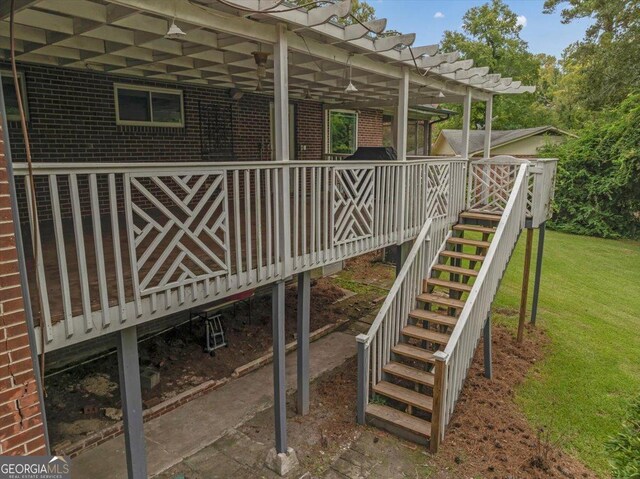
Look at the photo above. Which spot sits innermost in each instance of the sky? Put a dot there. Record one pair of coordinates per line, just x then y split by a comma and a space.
430, 18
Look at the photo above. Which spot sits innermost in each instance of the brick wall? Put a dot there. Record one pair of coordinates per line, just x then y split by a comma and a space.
21, 428
370, 128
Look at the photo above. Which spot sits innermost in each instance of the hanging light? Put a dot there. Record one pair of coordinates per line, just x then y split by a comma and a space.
174, 32
307, 95
260, 58
440, 94
351, 88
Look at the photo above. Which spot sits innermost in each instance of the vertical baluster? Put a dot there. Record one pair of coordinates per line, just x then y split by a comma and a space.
62, 255
117, 254
236, 222
312, 202
99, 250
277, 254
247, 224
304, 215
259, 224
319, 210
82, 259
325, 194
296, 216
45, 312
269, 231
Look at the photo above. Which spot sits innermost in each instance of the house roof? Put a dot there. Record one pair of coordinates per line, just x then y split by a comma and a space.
498, 137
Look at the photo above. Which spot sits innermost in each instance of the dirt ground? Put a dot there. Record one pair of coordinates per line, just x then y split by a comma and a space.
86, 398
179, 358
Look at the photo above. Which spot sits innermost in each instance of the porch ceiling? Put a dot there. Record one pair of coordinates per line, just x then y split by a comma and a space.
127, 37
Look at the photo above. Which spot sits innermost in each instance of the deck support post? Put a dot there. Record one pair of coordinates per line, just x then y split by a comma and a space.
439, 385
536, 281
363, 378
129, 371
488, 115
402, 251
525, 284
304, 301
279, 380
486, 345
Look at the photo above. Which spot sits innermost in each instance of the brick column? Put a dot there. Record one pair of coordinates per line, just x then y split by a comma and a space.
21, 428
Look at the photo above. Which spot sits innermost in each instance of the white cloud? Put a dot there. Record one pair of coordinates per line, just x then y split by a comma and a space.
522, 21
439, 15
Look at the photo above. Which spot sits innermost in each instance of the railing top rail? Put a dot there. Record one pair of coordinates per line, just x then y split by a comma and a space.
47, 168
501, 160
367, 338
475, 290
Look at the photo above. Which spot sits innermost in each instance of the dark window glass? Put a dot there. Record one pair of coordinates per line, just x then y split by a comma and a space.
166, 107
133, 105
11, 97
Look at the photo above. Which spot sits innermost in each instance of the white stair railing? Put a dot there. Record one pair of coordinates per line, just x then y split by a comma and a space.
452, 364
374, 347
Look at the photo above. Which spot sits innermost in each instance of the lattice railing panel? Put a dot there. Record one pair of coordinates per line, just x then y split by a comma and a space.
186, 238
353, 199
438, 186
490, 185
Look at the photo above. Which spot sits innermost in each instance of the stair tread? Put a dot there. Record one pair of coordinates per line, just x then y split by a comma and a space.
407, 372
413, 352
476, 215
433, 317
404, 395
455, 269
457, 255
425, 334
400, 419
449, 284
441, 300
468, 242
477, 228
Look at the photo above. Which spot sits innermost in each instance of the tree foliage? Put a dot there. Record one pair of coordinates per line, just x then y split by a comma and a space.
598, 187
491, 37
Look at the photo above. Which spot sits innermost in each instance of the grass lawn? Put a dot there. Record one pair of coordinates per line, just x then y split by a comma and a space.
590, 306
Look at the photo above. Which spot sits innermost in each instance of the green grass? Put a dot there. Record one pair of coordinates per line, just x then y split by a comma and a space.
590, 306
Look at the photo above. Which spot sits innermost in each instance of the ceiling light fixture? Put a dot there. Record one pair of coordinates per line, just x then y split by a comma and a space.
351, 88
440, 94
260, 58
174, 32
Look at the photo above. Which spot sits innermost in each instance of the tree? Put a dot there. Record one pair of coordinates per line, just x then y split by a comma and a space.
360, 9
604, 65
491, 37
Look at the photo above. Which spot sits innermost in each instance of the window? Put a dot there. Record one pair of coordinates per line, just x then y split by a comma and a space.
148, 106
343, 131
11, 97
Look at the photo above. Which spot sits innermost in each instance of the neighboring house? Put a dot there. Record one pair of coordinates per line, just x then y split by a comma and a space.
524, 142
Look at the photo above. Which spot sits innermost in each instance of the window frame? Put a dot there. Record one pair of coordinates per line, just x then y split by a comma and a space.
328, 149
150, 90
23, 92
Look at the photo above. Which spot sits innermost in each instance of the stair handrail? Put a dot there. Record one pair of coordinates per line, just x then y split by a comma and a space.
452, 364
392, 316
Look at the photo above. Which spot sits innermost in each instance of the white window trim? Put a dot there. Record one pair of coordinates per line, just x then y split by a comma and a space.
23, 91
327, 146
163, 124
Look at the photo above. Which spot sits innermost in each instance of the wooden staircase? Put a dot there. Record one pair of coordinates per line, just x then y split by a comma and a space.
403, 400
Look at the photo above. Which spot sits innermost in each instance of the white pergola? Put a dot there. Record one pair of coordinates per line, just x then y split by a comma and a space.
127, 37
310, 54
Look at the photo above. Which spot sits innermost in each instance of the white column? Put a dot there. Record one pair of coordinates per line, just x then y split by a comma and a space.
466, 124
402, 116
281, 94
487, 127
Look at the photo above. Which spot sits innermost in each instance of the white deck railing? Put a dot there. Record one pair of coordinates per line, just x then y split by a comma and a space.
120, 244
456, 358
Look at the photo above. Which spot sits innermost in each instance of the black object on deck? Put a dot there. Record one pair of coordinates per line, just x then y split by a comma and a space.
374, 153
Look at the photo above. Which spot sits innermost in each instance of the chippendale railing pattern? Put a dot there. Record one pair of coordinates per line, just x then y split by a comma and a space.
122, 244
179, 230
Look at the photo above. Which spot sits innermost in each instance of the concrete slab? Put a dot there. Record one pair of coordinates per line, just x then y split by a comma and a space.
190, 428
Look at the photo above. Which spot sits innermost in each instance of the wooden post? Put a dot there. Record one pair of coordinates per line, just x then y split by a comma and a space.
536, 282
438, 401
304, 297
363, 378
525, 283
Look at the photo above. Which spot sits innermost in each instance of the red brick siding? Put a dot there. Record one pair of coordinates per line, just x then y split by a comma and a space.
309, 130
21, 428
370, 128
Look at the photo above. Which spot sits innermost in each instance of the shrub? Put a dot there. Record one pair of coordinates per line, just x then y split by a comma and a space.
598, 181
624, 447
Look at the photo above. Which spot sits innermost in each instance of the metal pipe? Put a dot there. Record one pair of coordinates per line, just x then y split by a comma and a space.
22, 267
536, 282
